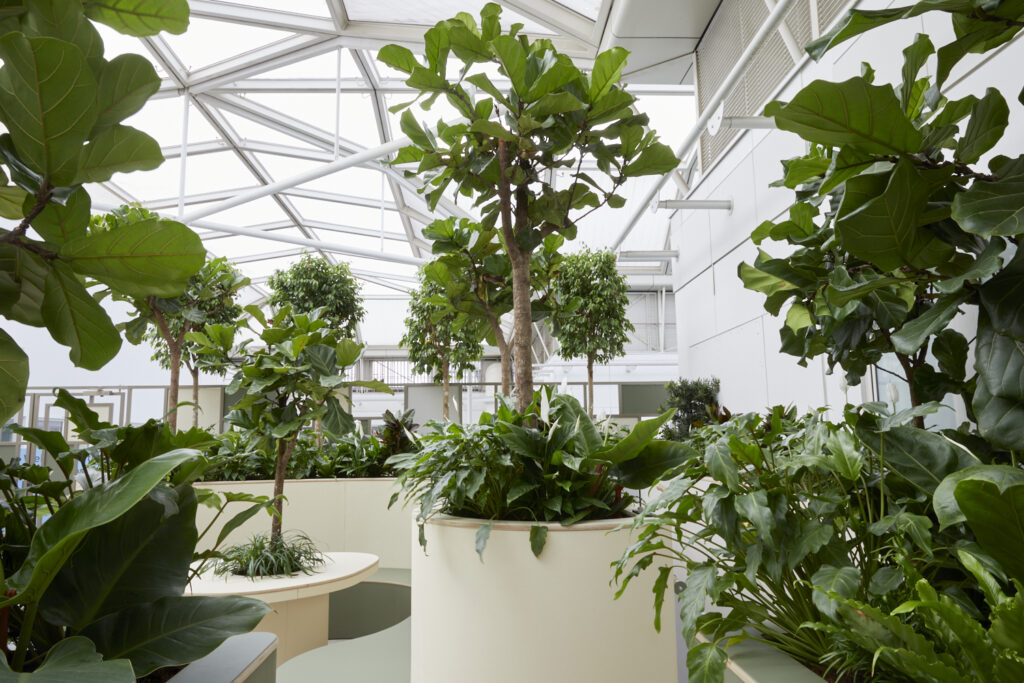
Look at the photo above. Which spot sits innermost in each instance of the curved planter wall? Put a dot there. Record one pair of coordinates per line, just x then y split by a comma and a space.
338, 514
515, 617
245, 658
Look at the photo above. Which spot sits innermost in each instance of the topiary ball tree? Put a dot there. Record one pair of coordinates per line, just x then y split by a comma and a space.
551, 118
314, 282
594, 325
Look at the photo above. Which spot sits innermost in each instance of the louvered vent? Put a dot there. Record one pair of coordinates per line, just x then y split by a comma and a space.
730, 31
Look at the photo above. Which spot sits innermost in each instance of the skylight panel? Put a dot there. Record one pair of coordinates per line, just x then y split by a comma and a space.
207, 42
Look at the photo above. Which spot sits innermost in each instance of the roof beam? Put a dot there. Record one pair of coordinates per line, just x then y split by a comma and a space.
249, 15
320, 195
556, 17
262, 59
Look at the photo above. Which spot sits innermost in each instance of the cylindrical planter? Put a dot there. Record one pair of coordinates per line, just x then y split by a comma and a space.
338, 514
514, 617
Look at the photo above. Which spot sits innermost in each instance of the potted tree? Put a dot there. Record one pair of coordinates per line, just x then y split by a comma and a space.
593, 325
436, 343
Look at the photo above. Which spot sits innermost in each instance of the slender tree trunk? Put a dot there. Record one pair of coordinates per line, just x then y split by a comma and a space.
284, 454
194, 369
522, 336
174, 354
445, 382
590, 385
504, 352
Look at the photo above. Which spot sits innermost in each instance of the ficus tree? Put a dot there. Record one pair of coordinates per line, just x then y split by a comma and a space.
289, 377
61, 105
209, 298
550, 116
439, 342
477, 280
897, 226
593, 324
313, 282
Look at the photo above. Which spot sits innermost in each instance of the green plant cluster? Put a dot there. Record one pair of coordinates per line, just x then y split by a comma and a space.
551, 464
313, 283
96, 553
269, 555
696, 404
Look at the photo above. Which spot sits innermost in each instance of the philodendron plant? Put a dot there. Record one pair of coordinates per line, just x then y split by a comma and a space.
61, 105
551, 464
96, 592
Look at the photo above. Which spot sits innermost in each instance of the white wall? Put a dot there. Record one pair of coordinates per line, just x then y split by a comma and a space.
723, 329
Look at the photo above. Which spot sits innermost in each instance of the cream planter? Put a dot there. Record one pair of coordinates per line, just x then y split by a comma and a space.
515, 617
340, 515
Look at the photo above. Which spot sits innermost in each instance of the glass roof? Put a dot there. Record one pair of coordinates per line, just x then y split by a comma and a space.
277, 90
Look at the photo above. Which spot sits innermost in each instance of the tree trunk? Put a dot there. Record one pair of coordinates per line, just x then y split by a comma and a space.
194, 369
445, 380
522, 335
505, 353
284, 454
590, 386
174, 354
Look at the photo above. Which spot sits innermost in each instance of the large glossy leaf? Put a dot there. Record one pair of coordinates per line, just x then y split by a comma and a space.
996, 516
654, 462
174, 629
57, 538
30, 271
705, 663
989, 118
75, 320
999, 358
843, 581
140, 17
947, 510
607, 71
72, 659
63, 19
992, 207
636, 441
13, 377
125, 84
853, 112
915, 333
48, 99
59, 223
917, 460
118, 149
137, 558
152, 257
885, 230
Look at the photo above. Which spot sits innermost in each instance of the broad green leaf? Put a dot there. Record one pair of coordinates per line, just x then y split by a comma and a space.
125, 84
754, 508
374, 384
29, 271
914, 58
996, 516
885, 230
493, 129
56, 540
705, 663
151, 257
984, 266
915, 333
72, 659
843, 581
75, 320
51, 442
398, 57
607, 71
947, 509
538, 537
59, 223
636, 441
840, 294
990, 208
885, 580
140, 17
847, 460
13, 377
512, 57
118, 149
950, 349
989, 118
693, 601
174, 630
656, 159
656, 461
48, 100
554, 103
468, 46
853, 112
11, 200
65, 20
721, 465
811, 539
141, 556
917, 460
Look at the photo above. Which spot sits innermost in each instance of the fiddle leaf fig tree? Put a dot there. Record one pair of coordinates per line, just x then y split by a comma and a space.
289, 379
313, 282
439, 342
898, 227
477, 280
595, 326
61, 105
513, 136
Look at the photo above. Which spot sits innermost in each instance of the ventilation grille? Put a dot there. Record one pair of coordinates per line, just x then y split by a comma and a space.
730, 31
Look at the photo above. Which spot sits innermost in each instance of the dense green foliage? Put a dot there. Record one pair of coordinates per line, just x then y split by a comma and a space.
312, 283
562, 469
269, 555
593, 323
695, 402
61, 105
438, 345
289, 380
104, 575
554, 117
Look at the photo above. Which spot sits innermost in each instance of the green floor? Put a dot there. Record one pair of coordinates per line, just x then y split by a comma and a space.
381, 657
